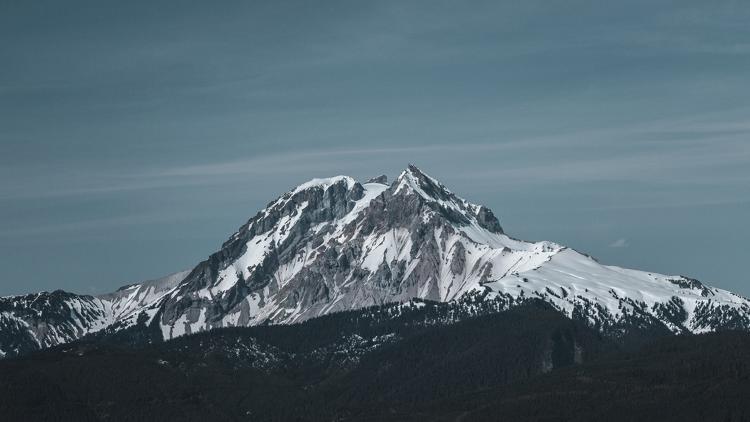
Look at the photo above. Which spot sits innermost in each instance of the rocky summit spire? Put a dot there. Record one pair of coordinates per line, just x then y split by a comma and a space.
414, 181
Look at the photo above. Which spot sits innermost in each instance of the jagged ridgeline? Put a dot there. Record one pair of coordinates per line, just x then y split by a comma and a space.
336, 244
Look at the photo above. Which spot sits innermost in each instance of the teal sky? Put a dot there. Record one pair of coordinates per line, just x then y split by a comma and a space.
136, 136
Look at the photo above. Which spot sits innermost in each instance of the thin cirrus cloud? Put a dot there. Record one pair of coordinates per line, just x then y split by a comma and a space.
619, 243
698, 162
89, 225
665, 148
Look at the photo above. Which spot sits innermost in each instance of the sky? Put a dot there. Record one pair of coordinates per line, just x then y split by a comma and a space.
136, 136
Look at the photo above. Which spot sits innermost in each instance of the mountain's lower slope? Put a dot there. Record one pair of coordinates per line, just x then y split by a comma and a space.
323, 369
335, 244
397, 362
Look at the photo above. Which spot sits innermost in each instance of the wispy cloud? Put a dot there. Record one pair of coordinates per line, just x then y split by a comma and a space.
90, 225
697, 151
619, 243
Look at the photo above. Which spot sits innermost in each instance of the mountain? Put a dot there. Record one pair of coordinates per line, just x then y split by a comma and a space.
335, 244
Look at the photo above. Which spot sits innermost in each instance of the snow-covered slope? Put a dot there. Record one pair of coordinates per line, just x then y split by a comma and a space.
335, 244
127, 303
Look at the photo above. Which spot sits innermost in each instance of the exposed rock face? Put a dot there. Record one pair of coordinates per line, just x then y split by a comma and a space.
335, 244
382, 179
458, 261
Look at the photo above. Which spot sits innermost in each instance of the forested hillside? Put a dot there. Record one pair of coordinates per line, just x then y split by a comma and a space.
405, 362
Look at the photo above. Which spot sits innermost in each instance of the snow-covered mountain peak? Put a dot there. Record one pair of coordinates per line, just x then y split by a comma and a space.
314, 187
334, 244
325, 183
414, 181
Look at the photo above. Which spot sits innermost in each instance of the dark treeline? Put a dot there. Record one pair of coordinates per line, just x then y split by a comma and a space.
388, 363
